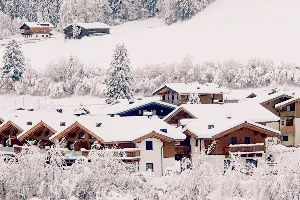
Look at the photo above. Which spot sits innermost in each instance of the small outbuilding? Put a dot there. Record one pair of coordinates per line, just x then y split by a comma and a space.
86, 29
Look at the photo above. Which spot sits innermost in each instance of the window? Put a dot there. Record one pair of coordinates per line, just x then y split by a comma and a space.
288, 108
282, 123
36, 36
140, 112
289, 122
196, 144
71, 145
29, 123
149, 145
285, 138
247, 140
15, 132
251, 162
81, 135
98, 124
62, 123
211, 126
164, 130
92, 137
5, 142
233, 140
47, 134
149, 166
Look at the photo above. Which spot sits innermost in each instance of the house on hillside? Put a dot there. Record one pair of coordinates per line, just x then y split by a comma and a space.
36, 30
179, 93
246, 139
8, 134
158, 108
86, 29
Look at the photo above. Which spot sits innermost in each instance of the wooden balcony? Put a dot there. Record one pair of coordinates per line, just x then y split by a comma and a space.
287, 113
182, 150
288, 129
246, 148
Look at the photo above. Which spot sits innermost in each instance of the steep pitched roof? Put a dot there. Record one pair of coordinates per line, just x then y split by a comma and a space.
287, 102
26, 134
62, 134
220, 128
189, 88
38, 25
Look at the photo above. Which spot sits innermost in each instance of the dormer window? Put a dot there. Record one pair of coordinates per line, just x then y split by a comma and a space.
98, 124
29, 123
92, 137
62, 123
211, 126
164, 130
81, 135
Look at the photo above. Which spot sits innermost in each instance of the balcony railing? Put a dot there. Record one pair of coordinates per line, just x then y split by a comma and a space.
182, 149
288, 129
247, 148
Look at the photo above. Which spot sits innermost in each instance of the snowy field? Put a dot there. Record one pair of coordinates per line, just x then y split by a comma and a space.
227, 29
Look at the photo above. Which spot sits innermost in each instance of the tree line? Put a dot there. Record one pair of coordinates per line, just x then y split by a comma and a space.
70, 76
112, 12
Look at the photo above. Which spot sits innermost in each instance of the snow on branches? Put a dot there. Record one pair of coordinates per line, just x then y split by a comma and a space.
120, 79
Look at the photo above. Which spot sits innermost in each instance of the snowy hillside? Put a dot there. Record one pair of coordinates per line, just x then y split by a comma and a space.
227, 29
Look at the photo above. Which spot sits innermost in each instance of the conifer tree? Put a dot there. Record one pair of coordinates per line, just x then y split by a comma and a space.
13, 65
120, 79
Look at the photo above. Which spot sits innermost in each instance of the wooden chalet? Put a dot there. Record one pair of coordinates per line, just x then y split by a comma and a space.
245, 139
87, 29
77, 137
36, 30
40, 133
273, 100
179, 93
8, 134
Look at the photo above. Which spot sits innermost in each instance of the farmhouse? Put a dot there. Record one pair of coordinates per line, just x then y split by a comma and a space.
86, 29
179, 93
36, 30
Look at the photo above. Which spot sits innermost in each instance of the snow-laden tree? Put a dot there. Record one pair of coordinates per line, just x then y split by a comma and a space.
120, 82
13, 66
194, 99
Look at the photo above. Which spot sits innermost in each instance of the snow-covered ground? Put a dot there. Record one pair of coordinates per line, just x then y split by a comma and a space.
227, 29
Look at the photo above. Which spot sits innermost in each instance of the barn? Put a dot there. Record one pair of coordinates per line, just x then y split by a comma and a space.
86, 29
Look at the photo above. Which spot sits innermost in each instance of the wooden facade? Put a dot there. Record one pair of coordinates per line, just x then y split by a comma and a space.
270, 104
247, 138
85, 31
171, 96
40, 133
175, 118
36, 30
8, 134
77, 137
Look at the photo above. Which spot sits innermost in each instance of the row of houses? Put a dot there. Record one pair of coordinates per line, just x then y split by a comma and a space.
156, 135
41, 30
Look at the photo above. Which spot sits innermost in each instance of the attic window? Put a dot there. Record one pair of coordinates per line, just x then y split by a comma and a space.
29, 123
98, 124
62, 123
47, 134
92, 137
81, 135
211, 126
164, 130
177, 143
198, 88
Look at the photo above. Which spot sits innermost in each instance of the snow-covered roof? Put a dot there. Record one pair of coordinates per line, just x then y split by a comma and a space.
287, 102
129, 107
93, 25
275, 96
190, 88
200, 127
247, 110
39, 24
116, 129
